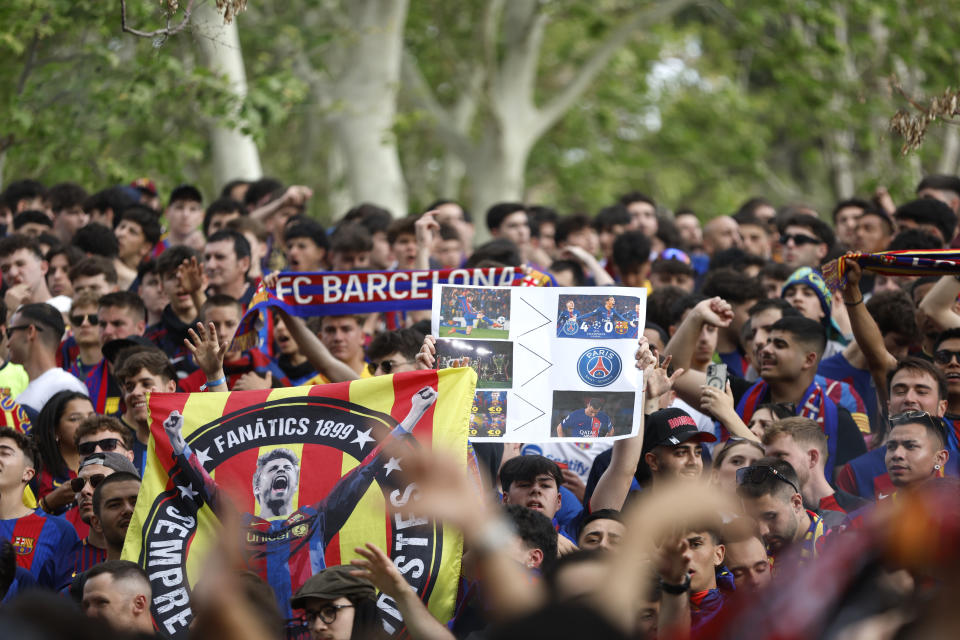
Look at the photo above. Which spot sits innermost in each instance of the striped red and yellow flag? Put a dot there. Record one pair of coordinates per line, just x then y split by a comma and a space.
342, 445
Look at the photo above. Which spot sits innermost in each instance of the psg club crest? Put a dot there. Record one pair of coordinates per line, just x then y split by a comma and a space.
599, 367
570, 327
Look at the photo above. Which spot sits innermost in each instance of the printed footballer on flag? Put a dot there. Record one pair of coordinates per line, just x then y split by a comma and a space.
313, 469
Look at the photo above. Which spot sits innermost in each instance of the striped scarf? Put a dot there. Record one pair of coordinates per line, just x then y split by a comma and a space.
918, 262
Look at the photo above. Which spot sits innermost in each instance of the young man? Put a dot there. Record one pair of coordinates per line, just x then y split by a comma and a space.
121, 315
448, 248
693, 585
672, 272
184, 290
139, 374
84, 323
603, 529
787, 365
137, 234
846, 216
95, 274
343, 337
643, 212
105, 206
32, 223
771, 496
805, 240
91, 549
42, 543
219, 213
150, 290
874, 231
184, 214
676, 446
802, 443
755, 235
114, 500
13, 377
38, 329
119, 593
402, 236
746, 558
258, 238
66, 204
807, 292
23, 270
929, 215
509, 220
226, 263
306, 245
394, 351
350, 248
720, 234
916, 450
291, 360
742, 294
631, 256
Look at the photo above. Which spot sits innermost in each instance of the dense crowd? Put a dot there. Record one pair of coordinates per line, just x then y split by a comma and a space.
812, 492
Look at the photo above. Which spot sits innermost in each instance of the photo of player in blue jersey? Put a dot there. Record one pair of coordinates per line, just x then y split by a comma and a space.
589, 415
599, 317
475, 312
489, 414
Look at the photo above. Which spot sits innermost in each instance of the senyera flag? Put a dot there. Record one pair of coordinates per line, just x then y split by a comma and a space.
343, 293
312, 470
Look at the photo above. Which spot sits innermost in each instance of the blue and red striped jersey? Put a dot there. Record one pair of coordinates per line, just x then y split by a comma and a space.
43, 545
84, 555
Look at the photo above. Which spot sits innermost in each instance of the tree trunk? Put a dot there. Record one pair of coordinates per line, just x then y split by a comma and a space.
950, 155
234, 154
365, 92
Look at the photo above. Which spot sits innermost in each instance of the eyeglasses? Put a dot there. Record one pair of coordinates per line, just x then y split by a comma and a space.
387, 365
760, 474
799, 239
107, 444
945, 356
78, 483
921, 417
77, 320
327, 613
23, 326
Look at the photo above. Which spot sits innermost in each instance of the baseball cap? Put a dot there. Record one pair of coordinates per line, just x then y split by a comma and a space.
186, 192
145, 185
671, 427
111, 460
332, 583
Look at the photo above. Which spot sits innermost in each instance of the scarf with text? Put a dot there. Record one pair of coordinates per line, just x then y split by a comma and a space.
357, 292
917, 262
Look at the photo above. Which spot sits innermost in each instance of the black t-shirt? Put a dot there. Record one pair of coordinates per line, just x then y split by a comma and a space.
850, 442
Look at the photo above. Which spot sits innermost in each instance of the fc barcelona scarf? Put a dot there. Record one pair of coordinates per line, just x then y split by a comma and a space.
815, 406
357, 292
917, 262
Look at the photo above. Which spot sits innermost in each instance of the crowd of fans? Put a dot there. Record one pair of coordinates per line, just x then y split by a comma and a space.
812, 493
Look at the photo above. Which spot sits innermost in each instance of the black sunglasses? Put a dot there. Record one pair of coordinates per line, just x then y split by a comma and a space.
78, 483
799, 239
77, 320
945, 356
760, 474
386, 365
107, 444
22, 326
327, 613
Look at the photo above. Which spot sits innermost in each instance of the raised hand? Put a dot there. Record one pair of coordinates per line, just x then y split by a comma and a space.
252, 380
426, 226
206, 349
715, 311
426, 359
376, 566
190, 275
173, 426
852, 275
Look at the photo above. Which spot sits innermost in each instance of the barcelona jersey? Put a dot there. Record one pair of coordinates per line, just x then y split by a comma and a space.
466, 309
42, 545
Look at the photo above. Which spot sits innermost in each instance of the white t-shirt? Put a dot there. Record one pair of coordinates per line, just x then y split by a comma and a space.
52, 381
578, 456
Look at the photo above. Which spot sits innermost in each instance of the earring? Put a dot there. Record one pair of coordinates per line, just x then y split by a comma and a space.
936, 467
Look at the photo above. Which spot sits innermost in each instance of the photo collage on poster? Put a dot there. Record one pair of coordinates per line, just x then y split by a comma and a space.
474, 331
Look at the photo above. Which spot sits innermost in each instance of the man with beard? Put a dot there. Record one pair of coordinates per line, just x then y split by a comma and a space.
114, 500
283, 560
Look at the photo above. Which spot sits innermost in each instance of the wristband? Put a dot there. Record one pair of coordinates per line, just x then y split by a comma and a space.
676, 589
853, 304
213, 383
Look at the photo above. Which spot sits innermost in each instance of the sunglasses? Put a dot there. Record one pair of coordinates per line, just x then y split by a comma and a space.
77, 320
78, 483
674, 254
107, 444
799, 239
945, 356
760, 474
327, 613
387, 365
922, 417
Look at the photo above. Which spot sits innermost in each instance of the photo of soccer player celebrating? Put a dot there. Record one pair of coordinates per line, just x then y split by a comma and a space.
588, 414
492, 360
475, 312
598, 317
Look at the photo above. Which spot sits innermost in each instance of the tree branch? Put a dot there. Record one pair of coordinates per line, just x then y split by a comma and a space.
561, 103
164, 33
421, 92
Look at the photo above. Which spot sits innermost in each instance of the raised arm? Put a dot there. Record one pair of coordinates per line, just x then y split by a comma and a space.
865, 330
714, 311
590, 265
939, 303
295, 195
207, 351
188, 465
316, 352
